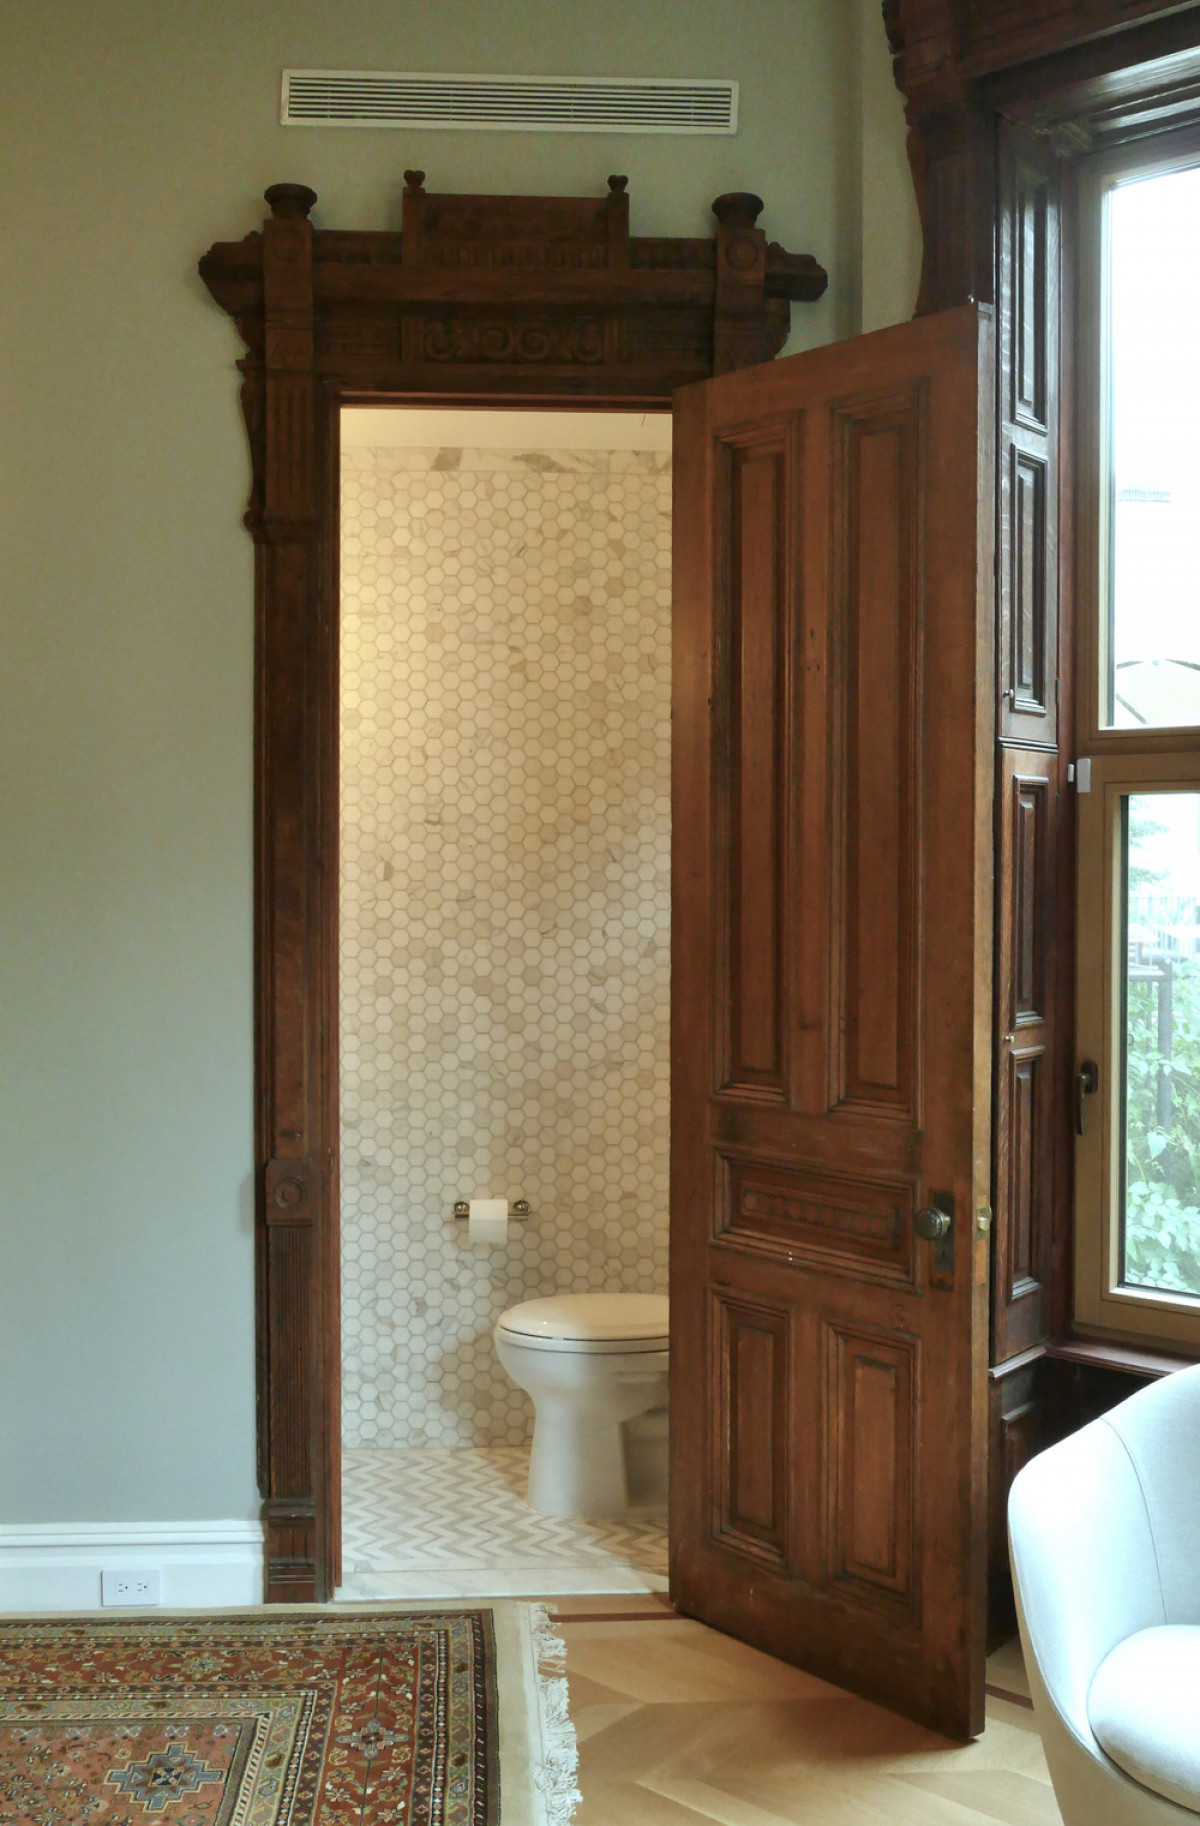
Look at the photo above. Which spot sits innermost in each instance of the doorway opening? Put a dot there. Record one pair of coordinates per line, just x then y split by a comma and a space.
503, 967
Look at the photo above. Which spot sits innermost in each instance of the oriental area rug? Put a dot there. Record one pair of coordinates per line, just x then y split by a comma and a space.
422, 1718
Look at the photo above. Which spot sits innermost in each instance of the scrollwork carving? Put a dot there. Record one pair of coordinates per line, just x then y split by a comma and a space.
532, 340
874, 1226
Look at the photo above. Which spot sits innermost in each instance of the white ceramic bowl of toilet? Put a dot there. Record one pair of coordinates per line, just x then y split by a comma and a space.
591, 1362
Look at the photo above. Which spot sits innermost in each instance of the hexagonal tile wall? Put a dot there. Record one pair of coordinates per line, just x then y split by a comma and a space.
505, 910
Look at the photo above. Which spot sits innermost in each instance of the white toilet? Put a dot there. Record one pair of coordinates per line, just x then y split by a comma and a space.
593, 1363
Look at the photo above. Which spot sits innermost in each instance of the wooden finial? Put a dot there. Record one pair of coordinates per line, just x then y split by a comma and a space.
617, 185
414, 180
738, 209
291, 202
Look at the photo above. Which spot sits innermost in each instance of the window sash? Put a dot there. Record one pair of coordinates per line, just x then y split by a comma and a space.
1098, 176
1102, 1302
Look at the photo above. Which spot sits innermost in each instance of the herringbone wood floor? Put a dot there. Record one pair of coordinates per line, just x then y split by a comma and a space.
679, 1725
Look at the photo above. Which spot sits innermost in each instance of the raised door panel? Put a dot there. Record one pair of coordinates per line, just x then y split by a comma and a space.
750, 1443
1025, 1059
754, 638
1030, 661
1030, 807
872, 1434
876, 787
1030, 203
1029, 288
832, 1223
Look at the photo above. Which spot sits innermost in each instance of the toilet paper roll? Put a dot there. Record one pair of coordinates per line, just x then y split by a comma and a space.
487, 1220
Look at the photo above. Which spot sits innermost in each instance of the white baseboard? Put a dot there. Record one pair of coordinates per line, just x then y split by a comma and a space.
57, 1565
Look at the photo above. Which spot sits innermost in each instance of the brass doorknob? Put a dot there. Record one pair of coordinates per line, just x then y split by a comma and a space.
933, 1224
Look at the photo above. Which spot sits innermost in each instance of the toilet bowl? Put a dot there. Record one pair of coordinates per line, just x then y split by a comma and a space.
592, 1362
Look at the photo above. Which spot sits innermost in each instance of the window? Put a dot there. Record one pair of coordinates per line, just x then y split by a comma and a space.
1138, 986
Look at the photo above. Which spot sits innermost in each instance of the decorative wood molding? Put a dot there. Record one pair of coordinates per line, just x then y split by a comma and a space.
524, 294
525, 299
942, 47
1088, 69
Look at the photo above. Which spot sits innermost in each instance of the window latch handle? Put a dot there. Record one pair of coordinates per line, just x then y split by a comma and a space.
1087, 1083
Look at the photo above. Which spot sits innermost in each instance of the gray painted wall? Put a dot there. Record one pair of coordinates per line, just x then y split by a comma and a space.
132, 134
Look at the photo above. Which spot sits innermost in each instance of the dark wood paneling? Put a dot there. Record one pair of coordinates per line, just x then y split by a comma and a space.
752, 1427
1018, 1428
1034, 959
1036, 1398
872, 1430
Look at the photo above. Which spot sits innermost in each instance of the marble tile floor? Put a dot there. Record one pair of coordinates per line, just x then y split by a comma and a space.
452, 1522
680, 1726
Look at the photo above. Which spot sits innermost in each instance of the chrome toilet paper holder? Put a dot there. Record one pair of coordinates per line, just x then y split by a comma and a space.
518, 1208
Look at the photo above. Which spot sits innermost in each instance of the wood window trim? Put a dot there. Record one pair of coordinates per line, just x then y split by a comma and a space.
1123, 760
1067, 77
477, 300
1072, 77
1101, 1307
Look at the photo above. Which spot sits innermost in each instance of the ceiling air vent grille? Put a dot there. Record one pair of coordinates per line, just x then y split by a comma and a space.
519, 104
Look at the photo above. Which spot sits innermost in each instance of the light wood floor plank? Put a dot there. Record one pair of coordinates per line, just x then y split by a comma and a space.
681, 1726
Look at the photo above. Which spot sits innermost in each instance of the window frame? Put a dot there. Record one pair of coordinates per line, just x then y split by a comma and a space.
1102, 1301
1123, 761
1098, 175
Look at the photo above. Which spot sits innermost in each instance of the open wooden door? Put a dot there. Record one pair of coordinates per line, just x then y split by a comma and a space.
832, 971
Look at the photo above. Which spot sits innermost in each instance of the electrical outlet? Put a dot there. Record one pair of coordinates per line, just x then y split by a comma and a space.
131, 1585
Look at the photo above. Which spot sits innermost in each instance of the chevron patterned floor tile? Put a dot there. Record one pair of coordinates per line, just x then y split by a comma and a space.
446, 1522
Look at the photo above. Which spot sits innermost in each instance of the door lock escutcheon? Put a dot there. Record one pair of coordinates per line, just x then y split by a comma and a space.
935, 1224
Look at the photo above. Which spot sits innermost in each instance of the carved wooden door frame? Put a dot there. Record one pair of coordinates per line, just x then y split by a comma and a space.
480, 300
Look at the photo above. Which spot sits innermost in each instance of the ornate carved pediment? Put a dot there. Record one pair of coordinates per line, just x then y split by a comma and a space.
479, 293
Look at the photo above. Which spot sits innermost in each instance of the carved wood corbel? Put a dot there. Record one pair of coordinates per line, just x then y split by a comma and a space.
950, 151
520, 299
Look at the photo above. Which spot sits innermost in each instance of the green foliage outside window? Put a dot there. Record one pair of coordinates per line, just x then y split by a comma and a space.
1162, 1161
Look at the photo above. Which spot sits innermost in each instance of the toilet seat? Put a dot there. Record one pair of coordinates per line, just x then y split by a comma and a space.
593, 1323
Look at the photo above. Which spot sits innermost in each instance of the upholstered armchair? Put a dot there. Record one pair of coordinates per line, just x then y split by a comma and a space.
1105, 1538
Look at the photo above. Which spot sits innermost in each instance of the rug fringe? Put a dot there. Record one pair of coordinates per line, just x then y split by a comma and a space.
556, 1775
